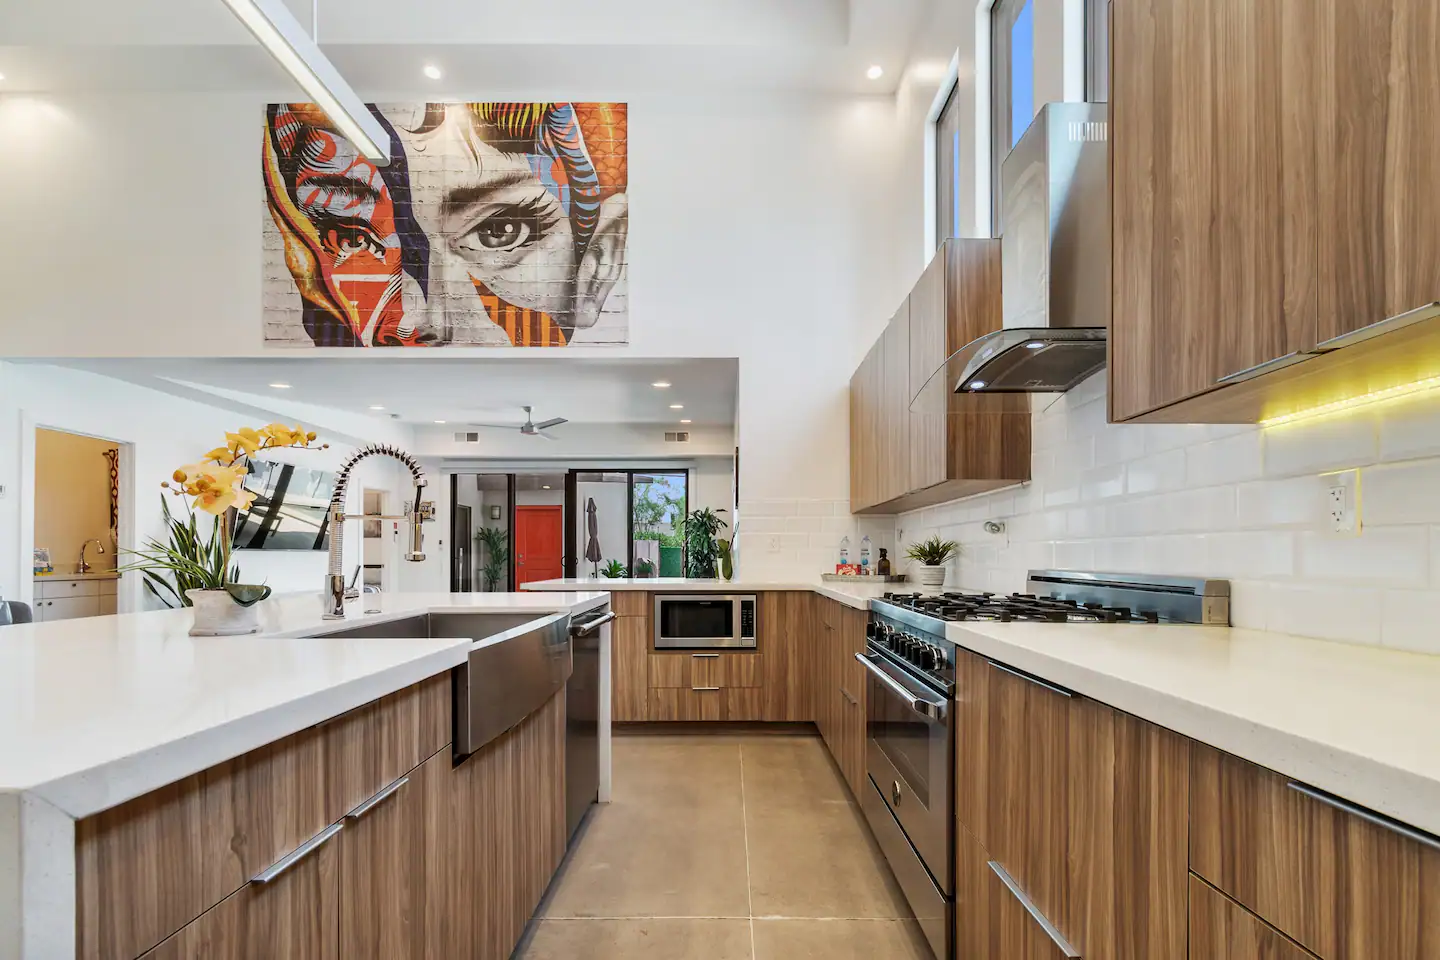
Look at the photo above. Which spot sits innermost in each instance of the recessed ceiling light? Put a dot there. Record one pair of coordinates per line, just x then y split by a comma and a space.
661, 384
376, 406
2, 76
280, 386
544, 486
677, 406
686, 421
875, 72
439, 421
432, 71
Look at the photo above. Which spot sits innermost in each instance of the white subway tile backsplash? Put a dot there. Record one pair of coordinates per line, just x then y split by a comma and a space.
1401, 493
1334, 443
1388, 556
1228, 501
802, 525
1410, 620
816, 508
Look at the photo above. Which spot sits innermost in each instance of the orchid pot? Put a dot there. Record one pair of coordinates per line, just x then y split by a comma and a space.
231, 612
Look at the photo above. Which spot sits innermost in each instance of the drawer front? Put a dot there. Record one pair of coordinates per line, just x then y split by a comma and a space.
58, 589
374, 745
689, 705
705, 671
1340, 885
108, 588
68, 608
1221, 929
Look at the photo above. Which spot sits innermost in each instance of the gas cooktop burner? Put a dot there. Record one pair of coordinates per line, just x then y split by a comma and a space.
1017, 606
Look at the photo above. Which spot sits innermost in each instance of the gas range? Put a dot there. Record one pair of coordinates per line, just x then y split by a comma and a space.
1059, 596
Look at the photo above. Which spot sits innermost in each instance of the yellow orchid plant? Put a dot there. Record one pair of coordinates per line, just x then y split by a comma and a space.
216, 485
217, 481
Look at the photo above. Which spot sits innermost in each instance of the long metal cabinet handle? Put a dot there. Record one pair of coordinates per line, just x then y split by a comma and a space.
1055, 935
1380, 327
1345, 806
704, 689
705, 656
298, 854
376, 800
1029, 679
1269, 366
920, 705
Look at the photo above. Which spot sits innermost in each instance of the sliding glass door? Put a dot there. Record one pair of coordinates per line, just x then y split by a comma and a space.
626, 522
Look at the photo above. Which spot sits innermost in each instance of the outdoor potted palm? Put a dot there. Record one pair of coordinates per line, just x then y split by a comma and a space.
932, 555
199, 564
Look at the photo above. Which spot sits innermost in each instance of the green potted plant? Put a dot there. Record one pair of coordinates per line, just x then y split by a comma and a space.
702, 549
496, 543
932, 555
614, 570
644, 567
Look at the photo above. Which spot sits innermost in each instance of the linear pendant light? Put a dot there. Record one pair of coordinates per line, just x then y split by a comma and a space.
279, 32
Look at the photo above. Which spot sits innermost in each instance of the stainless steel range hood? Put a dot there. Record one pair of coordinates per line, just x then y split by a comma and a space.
1055, 260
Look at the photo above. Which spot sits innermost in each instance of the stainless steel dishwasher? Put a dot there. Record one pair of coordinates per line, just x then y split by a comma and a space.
582, 718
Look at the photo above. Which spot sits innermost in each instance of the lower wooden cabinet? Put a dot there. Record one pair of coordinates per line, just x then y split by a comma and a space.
443, 861
838, 633
675, 704
629, 667
1330, 878
1221, 929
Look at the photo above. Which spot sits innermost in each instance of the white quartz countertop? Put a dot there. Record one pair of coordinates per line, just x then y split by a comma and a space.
857, 595
96, 711
1358, 722
92, 575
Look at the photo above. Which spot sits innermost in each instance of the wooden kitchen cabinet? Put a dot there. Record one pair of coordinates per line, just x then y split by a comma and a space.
1221, 929
1272, 171
630, 637
1337, 883
1085, 809
913, 441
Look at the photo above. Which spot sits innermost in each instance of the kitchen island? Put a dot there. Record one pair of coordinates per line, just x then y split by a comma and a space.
149, 782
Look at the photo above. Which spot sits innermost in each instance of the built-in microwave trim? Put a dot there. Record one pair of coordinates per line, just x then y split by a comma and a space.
741, 636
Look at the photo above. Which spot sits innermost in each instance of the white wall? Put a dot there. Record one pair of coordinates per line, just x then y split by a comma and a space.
161, 433
761, 227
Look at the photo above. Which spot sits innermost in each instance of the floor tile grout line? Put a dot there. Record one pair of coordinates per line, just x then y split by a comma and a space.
745, 833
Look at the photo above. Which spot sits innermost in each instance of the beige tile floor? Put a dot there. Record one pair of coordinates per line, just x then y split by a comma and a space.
725, 847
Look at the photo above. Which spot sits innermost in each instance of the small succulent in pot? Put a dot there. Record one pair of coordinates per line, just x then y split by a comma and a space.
932, 555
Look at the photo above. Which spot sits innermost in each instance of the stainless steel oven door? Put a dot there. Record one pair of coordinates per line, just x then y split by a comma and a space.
907, 754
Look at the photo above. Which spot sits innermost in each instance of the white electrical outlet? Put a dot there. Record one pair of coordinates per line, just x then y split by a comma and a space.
1340, 501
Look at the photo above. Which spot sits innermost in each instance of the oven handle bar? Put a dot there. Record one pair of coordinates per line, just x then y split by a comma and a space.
926, 708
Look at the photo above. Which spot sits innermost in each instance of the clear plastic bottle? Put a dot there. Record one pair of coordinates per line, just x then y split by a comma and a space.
865, 556
845, 550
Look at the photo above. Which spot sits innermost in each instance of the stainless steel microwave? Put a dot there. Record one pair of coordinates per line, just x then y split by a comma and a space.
702, 621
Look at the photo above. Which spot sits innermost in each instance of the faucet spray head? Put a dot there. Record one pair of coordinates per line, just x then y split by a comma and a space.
417, 534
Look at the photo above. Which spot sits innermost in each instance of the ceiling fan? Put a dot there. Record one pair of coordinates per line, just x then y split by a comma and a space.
529, 428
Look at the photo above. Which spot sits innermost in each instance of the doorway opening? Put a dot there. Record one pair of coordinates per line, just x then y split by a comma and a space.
627, 522
77, 525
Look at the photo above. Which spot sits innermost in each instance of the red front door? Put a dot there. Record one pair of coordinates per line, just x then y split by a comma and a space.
539, 543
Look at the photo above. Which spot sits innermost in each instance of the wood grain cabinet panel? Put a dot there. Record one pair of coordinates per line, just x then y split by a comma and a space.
1221, 929
630, 643
630, 603
1214, 177
1380, 160
701, 670
372, 746
783, 625
294, 917
151, 865
679, 704
1341, 886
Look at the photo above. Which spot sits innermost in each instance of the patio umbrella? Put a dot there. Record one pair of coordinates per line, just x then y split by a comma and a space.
592, 527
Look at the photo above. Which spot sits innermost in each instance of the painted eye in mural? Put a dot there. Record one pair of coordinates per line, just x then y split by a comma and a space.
344, 240
512, 227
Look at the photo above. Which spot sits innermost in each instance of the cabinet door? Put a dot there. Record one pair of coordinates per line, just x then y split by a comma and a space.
630, 639
929, 398
70, 608
393, 870
1214, 177
894, 465
865, 439
293, 917
1380, 161
1221, 929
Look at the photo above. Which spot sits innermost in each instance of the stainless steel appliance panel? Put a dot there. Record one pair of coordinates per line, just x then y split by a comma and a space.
582, 718
908, 755
931, 907
704, 621
507, 677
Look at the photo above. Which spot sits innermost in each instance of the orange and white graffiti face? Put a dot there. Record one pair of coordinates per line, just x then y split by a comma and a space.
493, 223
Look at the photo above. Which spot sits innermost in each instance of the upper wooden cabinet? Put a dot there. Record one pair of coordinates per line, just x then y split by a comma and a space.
1272, 171
913, 441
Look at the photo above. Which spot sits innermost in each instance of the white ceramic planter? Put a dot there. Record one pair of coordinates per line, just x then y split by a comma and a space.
218, 615
930, 576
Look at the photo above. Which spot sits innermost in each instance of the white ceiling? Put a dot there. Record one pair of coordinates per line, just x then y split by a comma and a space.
485, 47
458, 391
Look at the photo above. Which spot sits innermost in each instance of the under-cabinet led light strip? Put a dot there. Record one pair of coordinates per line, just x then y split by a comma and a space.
280, 33
1339, 406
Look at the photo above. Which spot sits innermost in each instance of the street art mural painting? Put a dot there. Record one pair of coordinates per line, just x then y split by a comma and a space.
494, 224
